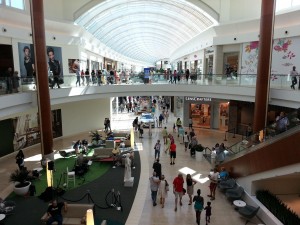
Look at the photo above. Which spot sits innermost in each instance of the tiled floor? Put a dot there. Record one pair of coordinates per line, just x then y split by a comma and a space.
142, 211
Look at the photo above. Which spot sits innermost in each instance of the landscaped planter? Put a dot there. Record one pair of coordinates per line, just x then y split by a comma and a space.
199, 156
199, 152
21, 190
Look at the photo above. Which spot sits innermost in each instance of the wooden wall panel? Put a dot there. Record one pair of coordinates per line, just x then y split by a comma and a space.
281, 153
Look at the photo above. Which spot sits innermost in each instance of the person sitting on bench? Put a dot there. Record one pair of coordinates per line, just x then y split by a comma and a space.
81, 166
116, 157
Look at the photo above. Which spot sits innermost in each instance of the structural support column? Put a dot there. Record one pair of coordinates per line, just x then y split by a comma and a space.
264, 64
42, 85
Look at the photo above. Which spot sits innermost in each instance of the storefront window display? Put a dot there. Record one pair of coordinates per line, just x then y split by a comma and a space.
224, 113
200, 114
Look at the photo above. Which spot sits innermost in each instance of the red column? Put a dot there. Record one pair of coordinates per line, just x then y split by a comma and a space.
42, 85
264, 64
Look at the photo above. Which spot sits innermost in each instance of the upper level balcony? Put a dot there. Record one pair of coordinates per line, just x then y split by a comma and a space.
234, 87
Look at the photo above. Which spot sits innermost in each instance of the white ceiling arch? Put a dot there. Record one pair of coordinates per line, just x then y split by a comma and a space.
155, 28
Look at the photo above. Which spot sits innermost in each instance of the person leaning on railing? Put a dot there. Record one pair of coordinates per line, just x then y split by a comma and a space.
294, 75
282, 123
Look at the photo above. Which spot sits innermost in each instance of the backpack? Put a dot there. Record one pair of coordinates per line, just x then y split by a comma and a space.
157, 146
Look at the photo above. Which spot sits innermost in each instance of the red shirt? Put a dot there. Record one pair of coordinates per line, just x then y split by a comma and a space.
178, 184
173, 147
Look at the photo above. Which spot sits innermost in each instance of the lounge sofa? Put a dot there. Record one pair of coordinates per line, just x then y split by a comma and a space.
120, 135
75, 214
100, 153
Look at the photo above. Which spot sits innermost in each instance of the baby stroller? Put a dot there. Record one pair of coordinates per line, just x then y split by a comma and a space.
7, 207
110, 79
192, 151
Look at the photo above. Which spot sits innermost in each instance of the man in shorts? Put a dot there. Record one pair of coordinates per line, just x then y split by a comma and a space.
178, 189
172, 153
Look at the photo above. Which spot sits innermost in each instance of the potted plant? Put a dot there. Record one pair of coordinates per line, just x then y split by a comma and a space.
96, 138
199, 152
19, 177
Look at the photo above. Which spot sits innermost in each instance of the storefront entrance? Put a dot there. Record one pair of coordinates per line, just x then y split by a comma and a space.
224, 116
200, 114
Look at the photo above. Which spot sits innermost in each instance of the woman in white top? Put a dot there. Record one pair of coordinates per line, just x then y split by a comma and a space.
186, 140
166, 116
163, 190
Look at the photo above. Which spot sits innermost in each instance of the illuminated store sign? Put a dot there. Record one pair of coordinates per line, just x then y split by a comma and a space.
200, 99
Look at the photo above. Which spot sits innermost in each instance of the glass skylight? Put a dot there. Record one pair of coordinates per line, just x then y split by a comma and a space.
146, 30
18, 4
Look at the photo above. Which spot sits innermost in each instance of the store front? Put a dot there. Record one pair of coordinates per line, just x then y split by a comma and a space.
206, 112
200, 114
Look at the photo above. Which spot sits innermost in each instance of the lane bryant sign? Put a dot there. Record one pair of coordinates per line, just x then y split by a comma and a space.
200, 99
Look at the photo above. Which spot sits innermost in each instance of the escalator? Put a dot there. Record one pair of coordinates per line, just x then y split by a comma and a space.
267, 149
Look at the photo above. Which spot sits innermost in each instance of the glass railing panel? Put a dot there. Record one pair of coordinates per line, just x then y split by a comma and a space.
282, 124
27, 84
249, 80
3, 86
280, 81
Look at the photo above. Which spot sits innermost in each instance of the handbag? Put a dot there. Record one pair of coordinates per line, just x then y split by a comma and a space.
60, 80
167, 186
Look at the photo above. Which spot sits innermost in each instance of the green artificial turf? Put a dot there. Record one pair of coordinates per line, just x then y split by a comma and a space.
96, 170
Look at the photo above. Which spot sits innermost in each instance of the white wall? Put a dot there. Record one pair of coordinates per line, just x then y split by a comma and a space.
231, 48
83, 116
239, 10
69, 52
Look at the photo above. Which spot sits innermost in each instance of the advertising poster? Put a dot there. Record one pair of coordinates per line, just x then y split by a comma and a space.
95, 65
27, 129
27, 61
74, 65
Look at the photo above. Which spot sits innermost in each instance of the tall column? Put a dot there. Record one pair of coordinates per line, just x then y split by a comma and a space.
264, 64
42, 85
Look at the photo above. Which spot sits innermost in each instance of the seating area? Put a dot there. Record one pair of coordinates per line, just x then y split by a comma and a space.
102, 153
234, 193
74, 215
227, 184
7, 207
248, 212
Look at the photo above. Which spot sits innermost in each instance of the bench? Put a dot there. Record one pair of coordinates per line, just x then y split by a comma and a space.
74, 215
67, 152
100, 153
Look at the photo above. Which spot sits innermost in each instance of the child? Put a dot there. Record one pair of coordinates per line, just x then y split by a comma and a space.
208, 212
174, 128
180, 134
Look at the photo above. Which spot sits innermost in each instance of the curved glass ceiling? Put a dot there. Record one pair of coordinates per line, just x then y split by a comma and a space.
145, 30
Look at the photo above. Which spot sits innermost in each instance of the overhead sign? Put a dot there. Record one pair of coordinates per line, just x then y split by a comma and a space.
198, 99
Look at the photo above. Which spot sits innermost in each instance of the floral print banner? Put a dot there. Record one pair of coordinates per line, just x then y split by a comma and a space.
284, 56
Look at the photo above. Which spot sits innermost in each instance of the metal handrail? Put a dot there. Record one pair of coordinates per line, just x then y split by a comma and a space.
228, 131
282, 81
266, 133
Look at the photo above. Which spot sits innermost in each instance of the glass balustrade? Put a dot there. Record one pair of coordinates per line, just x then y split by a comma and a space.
282, 124
248, 80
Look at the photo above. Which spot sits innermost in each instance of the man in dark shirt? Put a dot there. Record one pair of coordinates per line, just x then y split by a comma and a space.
28, 62
54, 67
192, 134
54, 212
157, 168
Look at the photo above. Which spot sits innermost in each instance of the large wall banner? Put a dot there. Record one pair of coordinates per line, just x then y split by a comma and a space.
27, 129
27, 61
74, 65
285, 55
